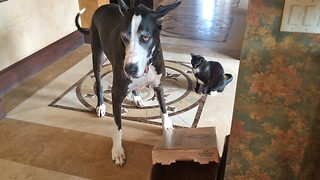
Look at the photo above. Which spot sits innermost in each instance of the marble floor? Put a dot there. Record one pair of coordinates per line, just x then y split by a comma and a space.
51, 131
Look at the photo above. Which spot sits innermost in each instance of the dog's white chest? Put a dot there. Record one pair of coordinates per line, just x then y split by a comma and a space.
151, 78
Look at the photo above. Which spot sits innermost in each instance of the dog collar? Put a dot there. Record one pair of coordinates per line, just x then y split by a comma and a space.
150, 61
147, 69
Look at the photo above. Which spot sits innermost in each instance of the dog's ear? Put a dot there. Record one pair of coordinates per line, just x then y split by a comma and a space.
161, 11
123, 6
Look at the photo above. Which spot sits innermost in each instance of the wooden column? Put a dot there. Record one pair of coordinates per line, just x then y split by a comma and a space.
91, 6
2, 110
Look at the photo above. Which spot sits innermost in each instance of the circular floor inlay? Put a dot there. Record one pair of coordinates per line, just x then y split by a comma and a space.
178, 93
183, 104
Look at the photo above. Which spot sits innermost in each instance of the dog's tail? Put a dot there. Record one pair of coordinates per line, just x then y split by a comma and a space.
82, 30
229, 78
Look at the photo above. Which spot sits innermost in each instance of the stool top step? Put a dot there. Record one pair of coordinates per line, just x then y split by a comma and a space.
197, 144
188, 138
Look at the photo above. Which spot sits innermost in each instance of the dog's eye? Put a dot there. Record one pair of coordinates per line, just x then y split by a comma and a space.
145, 38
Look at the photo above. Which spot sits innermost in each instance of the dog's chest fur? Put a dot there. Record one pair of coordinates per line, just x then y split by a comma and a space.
151, 78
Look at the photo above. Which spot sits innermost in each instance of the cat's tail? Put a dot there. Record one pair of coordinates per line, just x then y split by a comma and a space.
229, 78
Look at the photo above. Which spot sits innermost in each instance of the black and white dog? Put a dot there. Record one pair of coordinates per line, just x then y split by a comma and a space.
130, 39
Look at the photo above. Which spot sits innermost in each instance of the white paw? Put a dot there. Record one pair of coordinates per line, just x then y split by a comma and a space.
213, 93
117, 151
138, 101
101, 110
166, 122
118, 155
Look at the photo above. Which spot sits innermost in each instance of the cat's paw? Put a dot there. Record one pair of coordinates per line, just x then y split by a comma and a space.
199, 92
204, 92
213, 93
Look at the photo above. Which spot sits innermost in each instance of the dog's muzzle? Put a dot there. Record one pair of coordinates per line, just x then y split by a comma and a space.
132, 69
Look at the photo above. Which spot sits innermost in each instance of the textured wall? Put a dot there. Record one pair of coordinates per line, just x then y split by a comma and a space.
28, 26
275, 131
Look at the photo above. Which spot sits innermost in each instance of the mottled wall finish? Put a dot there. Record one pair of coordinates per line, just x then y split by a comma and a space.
28, 26
276, 126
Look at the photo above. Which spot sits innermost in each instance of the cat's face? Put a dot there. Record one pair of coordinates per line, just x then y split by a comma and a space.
196, 60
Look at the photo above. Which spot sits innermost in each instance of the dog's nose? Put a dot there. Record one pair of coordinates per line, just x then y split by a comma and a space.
131, 69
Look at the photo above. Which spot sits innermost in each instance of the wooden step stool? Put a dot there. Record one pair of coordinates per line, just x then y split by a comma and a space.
189, 151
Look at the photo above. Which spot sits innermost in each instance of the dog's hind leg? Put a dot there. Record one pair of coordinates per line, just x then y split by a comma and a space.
166, 121
97, 61
117, 151
137, 99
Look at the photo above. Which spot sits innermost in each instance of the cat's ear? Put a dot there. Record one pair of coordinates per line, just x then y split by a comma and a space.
192, 55
201, 58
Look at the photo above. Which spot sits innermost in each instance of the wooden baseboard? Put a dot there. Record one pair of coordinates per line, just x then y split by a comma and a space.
17, 73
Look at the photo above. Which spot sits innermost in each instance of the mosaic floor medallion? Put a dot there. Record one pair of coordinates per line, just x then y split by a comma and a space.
234, 3
192, 27
183, 104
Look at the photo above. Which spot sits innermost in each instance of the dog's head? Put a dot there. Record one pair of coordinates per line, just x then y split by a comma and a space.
140, 34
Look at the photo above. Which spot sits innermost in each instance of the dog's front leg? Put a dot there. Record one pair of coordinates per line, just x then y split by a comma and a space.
166, 121
117, 151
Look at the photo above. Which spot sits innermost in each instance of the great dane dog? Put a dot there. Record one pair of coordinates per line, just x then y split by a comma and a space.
130, 39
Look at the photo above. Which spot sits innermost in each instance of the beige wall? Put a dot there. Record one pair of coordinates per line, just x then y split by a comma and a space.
28, 26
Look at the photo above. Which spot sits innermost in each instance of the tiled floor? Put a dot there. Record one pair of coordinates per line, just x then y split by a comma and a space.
50, 131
